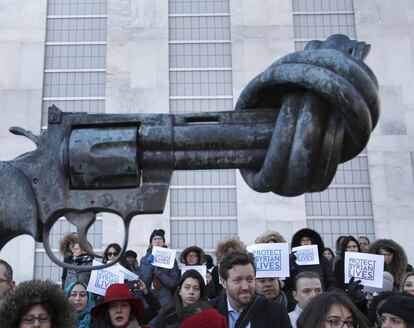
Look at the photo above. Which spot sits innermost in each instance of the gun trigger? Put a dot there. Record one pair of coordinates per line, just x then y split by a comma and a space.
83, 221
17, 130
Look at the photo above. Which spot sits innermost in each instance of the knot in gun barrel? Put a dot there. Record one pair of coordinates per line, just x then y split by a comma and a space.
327, 102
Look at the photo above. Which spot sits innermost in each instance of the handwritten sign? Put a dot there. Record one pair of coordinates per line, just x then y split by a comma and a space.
100, 280
202, 269
163, 257
369, 268
306, 255
272, 259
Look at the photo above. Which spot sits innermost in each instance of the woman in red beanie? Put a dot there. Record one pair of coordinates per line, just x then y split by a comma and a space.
210, 318
119, 309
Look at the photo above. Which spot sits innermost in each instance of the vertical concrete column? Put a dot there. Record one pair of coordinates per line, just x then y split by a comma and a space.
137, 81
262, 32
390, 29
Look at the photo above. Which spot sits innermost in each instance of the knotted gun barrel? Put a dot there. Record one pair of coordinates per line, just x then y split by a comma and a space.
292, 125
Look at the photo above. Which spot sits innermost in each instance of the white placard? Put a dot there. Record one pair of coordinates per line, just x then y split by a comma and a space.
369, 268
202, 269
272, 259
128, 275
163, 257
100, 280
306, 255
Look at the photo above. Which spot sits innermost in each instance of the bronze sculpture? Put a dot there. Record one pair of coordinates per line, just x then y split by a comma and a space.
292, 125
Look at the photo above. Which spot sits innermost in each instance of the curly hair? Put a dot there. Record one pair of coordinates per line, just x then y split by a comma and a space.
69, 238
224, 245
270, 237
31, 293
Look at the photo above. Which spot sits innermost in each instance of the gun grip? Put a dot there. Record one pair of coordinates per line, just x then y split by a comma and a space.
18, 206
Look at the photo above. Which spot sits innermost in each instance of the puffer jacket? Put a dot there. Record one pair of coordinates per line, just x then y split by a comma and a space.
30, 293
168, 279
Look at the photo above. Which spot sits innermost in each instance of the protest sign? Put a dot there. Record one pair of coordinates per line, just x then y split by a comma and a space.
306, 255
128, 275
163, 257
272, 259
202, 269
100, 280
369, 268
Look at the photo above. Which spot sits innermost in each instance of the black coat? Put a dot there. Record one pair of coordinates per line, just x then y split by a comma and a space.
261, 313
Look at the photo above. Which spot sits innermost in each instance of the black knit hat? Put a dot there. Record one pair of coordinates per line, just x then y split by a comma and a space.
400, 305
157, 232
130, 253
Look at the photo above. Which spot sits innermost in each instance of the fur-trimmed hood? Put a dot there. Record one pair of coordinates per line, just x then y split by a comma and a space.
313, 235
65, 242
398, 266
30, 293
270, 237
196, 249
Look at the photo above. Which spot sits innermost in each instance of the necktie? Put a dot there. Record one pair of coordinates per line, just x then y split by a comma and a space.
234, 316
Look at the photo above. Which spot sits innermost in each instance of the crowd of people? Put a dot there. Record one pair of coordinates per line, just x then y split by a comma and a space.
229, 295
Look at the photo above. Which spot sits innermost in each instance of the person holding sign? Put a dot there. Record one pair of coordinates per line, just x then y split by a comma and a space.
323, 269
240, 304
161, 281
349, 244
191, 290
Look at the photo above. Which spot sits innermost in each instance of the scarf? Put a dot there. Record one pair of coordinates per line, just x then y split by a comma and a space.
84, 316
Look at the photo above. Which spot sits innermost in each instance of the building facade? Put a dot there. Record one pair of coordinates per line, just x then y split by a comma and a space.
182, 56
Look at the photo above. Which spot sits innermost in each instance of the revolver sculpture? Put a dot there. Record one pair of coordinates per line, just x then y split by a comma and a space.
291, 127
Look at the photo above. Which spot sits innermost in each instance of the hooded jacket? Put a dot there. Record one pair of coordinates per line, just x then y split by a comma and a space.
323, 268
30, 293
398, 265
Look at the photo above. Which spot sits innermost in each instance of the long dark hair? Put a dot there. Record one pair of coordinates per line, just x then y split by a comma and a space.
176, 305
117, 248
314, 314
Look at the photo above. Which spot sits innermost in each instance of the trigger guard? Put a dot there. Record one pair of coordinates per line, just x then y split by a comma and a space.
67, 266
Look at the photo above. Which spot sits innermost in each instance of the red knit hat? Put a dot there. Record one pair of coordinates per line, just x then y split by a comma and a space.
120, 292
210, 318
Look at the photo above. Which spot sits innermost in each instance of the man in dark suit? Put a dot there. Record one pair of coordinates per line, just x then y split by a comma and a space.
239, 302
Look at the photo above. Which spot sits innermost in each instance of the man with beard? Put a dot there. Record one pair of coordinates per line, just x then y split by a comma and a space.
240, 304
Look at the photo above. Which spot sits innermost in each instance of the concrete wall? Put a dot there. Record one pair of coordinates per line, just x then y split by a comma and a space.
137, 82
22, 42
388, 26
262, 32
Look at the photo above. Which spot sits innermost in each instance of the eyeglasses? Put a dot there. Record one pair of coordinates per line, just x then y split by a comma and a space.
30, 319
4, 280
112, 254
338, 323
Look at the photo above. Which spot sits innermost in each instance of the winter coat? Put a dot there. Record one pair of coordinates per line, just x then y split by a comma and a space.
261, 313
168, 279
79, 274
30, 293
398, 266
323, 268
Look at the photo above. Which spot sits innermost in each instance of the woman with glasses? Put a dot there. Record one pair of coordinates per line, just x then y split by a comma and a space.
332, 310
82, 301
190, 291
37, 304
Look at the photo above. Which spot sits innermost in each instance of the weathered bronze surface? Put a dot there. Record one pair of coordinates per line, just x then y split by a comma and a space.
292, 125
